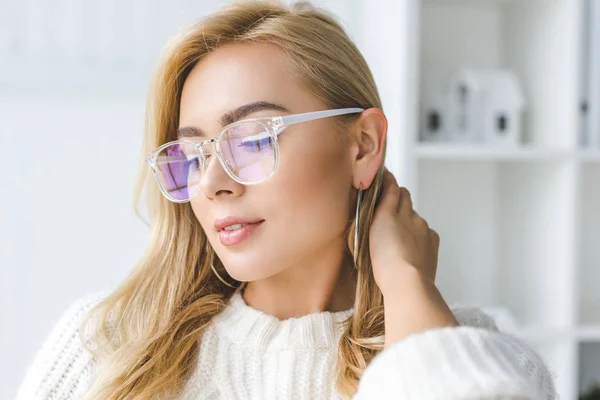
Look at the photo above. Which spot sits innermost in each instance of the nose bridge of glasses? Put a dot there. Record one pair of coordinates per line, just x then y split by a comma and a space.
209, 152
204, 147
204, 143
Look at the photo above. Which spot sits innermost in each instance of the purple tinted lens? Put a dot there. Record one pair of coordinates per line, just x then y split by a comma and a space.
179, 171
249, 151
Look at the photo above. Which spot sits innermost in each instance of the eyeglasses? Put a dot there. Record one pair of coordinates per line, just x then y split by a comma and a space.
247, 150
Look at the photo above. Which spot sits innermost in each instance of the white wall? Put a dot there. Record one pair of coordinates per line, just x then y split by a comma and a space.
68, 225
72, 84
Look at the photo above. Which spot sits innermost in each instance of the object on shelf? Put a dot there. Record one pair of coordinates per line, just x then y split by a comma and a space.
465, 107
485, 105
433, 117
475, 106
592, 394
590, 107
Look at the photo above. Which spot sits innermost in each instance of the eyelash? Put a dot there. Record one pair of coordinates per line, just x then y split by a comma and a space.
262, 143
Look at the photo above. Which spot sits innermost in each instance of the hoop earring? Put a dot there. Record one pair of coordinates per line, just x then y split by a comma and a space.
356, 222
219, 276
214, 270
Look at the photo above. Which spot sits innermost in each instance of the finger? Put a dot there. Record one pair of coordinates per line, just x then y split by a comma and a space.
390, 193
435, 238
422, 225
405, 206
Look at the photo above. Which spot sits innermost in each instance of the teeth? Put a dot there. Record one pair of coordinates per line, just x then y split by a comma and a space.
234, 227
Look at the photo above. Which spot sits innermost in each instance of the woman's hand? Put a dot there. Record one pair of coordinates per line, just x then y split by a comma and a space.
404, 254
399, 238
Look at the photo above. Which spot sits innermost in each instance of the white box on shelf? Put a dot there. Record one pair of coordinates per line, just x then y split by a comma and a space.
503, 106
486, 106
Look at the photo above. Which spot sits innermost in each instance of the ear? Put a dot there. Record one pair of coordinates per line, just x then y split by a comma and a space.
368, 146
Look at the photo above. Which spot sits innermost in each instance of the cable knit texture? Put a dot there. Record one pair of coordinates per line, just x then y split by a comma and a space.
247, 354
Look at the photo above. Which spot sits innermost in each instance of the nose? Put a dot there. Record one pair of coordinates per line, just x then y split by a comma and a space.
216, 182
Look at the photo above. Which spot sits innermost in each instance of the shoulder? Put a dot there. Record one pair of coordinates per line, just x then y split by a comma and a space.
62, 367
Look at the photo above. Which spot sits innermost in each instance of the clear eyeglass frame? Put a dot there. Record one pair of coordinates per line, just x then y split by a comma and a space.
273, 125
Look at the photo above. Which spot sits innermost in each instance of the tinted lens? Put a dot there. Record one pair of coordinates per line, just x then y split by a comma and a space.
179, 170
249, 151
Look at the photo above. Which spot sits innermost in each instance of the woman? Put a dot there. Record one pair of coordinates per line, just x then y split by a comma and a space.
284, 261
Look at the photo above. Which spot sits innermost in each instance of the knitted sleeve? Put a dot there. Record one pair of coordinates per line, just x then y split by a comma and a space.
62, 368
471, 361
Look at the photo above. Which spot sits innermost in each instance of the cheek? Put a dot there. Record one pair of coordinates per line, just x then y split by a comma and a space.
312, 187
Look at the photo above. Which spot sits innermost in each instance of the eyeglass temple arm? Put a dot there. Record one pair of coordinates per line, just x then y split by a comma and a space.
310, 116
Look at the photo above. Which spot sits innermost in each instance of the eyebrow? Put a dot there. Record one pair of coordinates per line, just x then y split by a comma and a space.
232, 116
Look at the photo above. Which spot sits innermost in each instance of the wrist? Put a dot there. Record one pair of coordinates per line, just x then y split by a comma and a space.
412, 304
395, 282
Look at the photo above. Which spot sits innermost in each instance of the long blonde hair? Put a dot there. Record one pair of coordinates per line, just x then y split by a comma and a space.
146, 333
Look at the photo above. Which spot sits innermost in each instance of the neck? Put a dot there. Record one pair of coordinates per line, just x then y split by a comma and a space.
305, 289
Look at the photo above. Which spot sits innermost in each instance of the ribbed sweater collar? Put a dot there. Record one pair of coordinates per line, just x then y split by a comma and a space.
248, 327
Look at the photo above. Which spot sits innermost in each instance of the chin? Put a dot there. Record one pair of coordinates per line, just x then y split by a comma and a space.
243, 268
245, 275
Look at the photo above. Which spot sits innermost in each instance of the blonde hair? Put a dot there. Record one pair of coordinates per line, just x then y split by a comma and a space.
145, 334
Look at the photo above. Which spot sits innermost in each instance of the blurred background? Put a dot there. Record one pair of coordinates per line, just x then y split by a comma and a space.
494, 111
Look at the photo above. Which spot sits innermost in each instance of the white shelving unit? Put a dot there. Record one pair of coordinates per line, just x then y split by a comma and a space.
519, 227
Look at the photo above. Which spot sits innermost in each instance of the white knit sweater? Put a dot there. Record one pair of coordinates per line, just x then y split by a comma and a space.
247, 354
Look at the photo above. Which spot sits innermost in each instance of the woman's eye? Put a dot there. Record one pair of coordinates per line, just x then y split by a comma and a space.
257, 144
194, 162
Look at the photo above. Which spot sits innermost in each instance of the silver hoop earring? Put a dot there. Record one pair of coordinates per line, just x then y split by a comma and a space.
356, 222
214, 270
219, 276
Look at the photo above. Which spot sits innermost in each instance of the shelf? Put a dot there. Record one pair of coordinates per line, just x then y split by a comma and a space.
584, 333
590, 156
486, 153
589, 333
474, 152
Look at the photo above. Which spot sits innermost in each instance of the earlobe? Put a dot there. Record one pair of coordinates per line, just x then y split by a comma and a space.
367, 175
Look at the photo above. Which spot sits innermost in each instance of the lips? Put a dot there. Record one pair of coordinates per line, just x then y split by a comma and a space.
239, 235
222, 223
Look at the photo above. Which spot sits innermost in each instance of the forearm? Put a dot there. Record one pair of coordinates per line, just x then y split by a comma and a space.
413, 306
